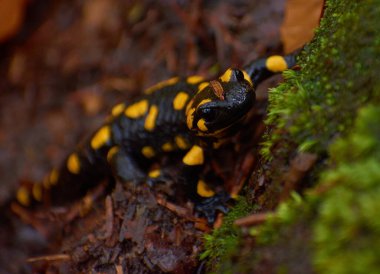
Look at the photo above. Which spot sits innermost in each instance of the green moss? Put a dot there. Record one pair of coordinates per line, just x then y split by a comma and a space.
317, 105
223, 241
347, 230
342, 212
277, 244
339, 73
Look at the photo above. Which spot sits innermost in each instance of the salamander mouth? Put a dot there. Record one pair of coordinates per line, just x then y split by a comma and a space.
224, 132
228, 117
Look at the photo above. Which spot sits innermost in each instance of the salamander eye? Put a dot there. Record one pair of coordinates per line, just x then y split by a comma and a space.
209, 114
239, 75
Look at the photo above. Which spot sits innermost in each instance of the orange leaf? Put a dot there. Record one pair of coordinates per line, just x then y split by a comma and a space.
301, 18
11, 17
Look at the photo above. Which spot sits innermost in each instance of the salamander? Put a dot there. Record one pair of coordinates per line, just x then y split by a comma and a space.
188, 116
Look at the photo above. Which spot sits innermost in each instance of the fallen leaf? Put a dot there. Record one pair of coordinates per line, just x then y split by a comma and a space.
11, 17
301, 19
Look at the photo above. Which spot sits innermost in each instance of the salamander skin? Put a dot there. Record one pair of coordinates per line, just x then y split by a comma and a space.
189, 116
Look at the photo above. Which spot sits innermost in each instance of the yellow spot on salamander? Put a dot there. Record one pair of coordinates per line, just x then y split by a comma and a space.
73, 163
154, 173
276, 63
53, 176
148, 152
204, 101
137, 109
247, 77
111, 153
37, 192
194, 79
203, 190
22, 196
167, 147
194, 156
150, 120
201, 86
189, 105
180, 100
162, 84
101, 137
190, 118
201, 125
118, 109
226, 77
181, 142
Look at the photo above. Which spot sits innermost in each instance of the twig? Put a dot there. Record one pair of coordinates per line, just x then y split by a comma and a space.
109, 219
50, 258
251, 220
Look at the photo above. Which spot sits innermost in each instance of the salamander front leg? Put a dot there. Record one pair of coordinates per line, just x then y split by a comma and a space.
208, 198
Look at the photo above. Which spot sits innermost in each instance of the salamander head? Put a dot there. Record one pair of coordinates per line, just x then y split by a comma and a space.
220, 104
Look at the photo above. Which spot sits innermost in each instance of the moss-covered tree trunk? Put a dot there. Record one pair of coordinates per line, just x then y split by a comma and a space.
326, 219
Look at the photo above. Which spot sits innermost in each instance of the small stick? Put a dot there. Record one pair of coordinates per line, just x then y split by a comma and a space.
50, 258
251, 220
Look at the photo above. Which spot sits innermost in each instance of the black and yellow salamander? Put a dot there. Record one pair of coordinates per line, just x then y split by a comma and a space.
190, 117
